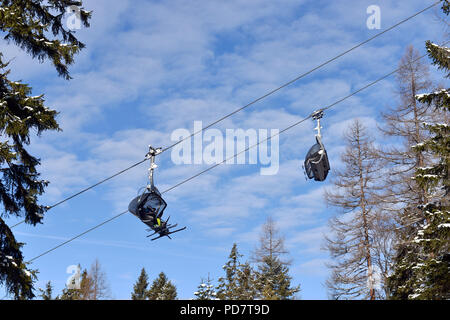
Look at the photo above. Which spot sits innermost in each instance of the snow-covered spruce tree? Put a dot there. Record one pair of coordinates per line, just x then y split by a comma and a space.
162, 289
36, 26
69, 294
228, 285
206, 290
77, 289
423, 263
246, 282
39, 28
272, 280
238, 282
140, 287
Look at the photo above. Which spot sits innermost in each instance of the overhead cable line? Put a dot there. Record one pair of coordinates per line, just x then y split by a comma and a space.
235, 155
304, 75
78, 236
251, 103
87, 189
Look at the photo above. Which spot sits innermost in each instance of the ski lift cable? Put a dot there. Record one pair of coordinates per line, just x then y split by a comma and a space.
86, 189
235, 155
304, 74
247, 105
77, 236
295, 124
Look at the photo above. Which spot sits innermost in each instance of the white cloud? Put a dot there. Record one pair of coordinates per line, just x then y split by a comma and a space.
308, 241
313, 267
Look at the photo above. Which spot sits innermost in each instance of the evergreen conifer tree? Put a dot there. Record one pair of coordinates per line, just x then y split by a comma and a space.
72, 291
36, 26
228, 286
239, 280
271, 279
162, 289
206, 290
140, 287
84, 292
47, 293
246, 282
69, 294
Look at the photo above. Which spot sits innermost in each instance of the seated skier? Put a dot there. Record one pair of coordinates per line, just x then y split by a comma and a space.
148, 216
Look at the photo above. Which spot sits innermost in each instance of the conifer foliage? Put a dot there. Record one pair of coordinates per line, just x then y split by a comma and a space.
37, 27
228, 285
246, 282
239, 280
272, 280
206, 290
265, 277
140, 287
422, 266
48, 292
162, 289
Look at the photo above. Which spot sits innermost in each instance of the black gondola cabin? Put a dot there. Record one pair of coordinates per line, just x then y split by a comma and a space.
316, 162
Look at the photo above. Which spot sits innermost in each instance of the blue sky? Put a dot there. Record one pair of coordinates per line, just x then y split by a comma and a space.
151, 67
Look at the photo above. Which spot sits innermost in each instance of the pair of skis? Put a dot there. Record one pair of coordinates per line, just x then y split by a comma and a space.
165, 234
165, 231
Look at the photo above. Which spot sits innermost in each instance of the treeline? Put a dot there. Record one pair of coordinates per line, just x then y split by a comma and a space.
265, 276
92, 285
161, 289
391, 237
